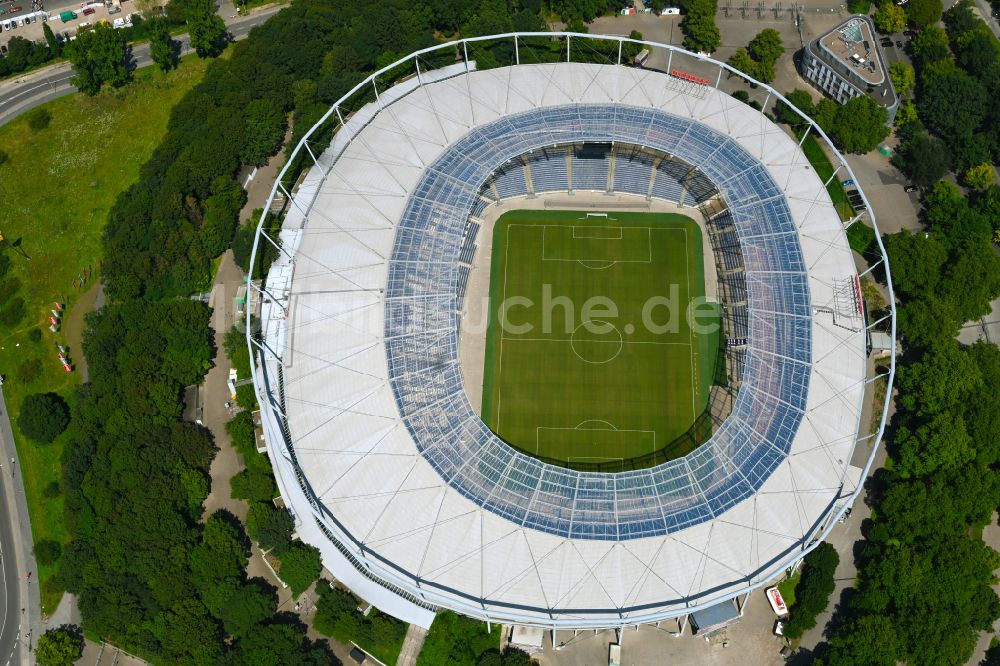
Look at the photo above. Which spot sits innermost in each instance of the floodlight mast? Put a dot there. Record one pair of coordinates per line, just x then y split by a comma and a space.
273, 414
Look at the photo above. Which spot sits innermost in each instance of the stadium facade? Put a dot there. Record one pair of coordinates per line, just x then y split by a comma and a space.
413, 502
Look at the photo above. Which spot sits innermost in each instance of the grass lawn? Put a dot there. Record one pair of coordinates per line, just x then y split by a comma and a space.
591, 364
58, 185
821, 163
787, 588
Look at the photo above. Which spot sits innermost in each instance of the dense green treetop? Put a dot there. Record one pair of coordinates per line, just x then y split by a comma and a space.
43, 417
300, 567
98, 58
859, 125
61, 646
903, 77
889, 18
163, 49
923, 13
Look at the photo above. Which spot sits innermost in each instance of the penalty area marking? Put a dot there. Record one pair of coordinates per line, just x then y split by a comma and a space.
540, 431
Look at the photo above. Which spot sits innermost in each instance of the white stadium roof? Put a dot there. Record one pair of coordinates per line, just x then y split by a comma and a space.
410, 502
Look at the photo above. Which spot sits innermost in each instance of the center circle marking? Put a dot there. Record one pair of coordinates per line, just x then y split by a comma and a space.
597, 348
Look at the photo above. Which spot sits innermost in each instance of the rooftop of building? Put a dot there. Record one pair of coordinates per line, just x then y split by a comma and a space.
852, 50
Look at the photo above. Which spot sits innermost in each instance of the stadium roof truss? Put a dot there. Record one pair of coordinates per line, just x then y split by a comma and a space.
412, 500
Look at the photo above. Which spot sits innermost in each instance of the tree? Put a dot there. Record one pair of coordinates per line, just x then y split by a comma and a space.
742, 61
12, 312
280, 642
941, 444
942, 380
902, 76
812, 594
867, 639
55, 46
61, 646
799, 99
889, 18
925, 159
248, 606
162, 48
40, 118
928, 321
456, 640
43, 417
47, 551
930, 45
241, 432
98, 58
953, 104
859, 125
270, 526
766, 46
300, 567
206, 29
700, 31
917, 262
979, 177
923, 13
265, 127
253, 485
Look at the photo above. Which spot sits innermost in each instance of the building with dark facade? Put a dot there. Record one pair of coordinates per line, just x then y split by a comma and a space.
847, 62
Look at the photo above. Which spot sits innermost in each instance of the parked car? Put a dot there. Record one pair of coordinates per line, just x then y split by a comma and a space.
899, 43
910, 188
886, 41
910, 33
15, 8
88, 11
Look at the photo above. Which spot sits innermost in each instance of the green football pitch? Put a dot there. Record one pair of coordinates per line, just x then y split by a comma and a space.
591, 356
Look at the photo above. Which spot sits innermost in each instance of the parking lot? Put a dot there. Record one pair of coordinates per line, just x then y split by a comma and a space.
28, 24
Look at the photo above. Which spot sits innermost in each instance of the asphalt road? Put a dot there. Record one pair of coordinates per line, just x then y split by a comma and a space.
36, 88
18, 571
10, 598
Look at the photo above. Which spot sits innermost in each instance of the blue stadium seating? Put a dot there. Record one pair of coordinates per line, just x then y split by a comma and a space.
425, 284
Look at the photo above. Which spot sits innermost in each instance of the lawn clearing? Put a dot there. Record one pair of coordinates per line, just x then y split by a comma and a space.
821, 163
58, 185
591, 358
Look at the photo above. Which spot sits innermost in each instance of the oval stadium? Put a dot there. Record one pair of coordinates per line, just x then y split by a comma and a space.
564, 344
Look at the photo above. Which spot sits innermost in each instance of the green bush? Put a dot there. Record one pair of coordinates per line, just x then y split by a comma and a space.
457, 640
39, 120
246, 398
12, 312
812, 594
253, 485
235, 344
270, 526
52, 490
300, 567
241, 432
861, 238
47, 551
44, 416
61, 646
337, 616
